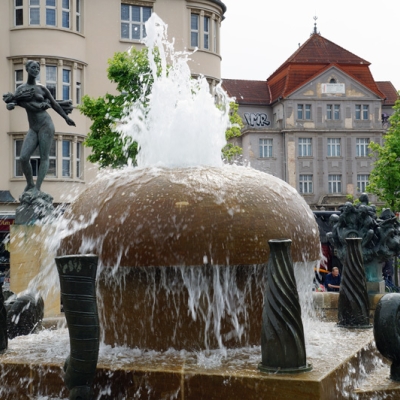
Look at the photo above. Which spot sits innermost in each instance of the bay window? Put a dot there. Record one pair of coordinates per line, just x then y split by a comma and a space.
64, 153
66, 158
194, 30
206, 27
63, 78
51, 79
133, 19
18, 12
51, 13
66, 88
65, 14
34, 12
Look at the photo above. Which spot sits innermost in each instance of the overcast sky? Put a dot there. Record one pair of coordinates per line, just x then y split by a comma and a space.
257, 36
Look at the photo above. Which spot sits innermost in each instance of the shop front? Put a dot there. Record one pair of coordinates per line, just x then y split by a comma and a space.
5, 222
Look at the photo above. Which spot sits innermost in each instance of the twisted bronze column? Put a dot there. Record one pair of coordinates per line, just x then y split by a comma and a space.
282, 336
387, 331
353, 307
78, 295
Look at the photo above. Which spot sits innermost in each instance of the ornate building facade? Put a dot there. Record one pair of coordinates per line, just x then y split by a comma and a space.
310, 123
73, 40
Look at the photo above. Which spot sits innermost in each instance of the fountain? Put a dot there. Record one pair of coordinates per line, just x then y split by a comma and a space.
182, 246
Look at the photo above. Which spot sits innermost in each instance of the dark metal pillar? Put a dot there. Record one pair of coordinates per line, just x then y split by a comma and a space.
353, 307
78, 294
282, 336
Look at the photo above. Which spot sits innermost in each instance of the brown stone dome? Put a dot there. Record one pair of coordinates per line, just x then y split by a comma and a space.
190, 216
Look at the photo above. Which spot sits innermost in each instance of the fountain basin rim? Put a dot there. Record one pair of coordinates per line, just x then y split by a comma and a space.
369, 326
273, 370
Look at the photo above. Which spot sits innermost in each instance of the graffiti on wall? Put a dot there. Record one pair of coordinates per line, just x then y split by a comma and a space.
257, 119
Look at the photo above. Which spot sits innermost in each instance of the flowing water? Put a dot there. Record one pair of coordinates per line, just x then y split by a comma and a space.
179, 126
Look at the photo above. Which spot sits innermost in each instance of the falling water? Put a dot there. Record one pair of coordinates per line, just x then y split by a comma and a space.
179, 125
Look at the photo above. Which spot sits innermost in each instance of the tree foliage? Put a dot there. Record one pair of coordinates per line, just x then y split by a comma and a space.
131, 72
384, 179
230, 151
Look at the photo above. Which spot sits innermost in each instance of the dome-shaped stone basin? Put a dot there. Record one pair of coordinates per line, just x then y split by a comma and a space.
183, 252
191, 216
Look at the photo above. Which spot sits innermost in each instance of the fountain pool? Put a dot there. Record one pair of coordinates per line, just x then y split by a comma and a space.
183, 246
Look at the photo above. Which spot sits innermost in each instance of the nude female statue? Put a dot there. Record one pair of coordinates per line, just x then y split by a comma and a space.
36, 99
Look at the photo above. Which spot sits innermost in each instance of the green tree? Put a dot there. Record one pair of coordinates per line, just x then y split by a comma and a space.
230, 151
384, 179
131, 72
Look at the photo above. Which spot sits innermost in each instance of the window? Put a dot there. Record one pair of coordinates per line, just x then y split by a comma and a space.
19, 73
78, 15
335, 183
304, 111
78, 160
35, 160
194, 30
329, 111
358, 111
78, 87
336, 112
305, 147
65, 14
305, 184
51, 12
362, 149
66, 89
365, 112
362, 182
63, 78
18, 13
308, 111
362, 112
215, 35
333, 111
333, 147
34, 12
133, 19
206, 25
51, 79
66, 158
265, 148
300, 111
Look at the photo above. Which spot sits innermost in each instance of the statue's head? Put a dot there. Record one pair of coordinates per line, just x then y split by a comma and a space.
32, 67
364, 198
333, 219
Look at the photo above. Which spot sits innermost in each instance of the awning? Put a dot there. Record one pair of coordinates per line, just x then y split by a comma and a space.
5, 223
6, 197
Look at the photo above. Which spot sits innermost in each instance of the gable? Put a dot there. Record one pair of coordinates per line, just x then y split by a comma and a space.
334, 82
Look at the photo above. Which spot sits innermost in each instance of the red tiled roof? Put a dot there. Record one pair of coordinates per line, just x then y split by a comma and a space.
311, 59
389, 91
247, 92
317, 49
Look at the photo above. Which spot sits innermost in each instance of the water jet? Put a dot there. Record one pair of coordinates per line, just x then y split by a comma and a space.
182, 252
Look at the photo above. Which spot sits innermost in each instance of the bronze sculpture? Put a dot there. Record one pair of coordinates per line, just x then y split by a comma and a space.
380, 235
36, 99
